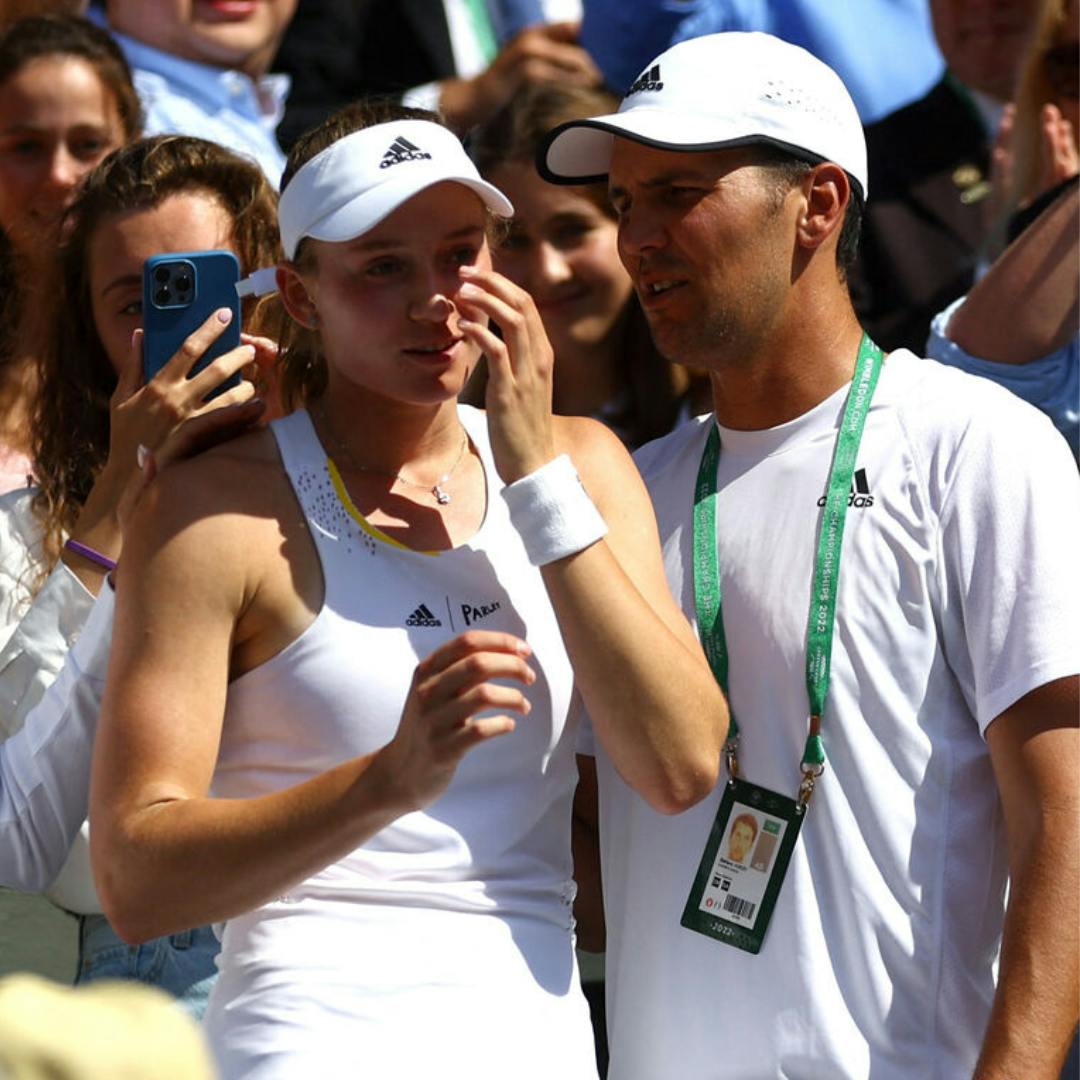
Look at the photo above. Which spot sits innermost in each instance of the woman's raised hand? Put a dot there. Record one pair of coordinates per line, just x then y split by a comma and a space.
520, 367
144, 413
441, 721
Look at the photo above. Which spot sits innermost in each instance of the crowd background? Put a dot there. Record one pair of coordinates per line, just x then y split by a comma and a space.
969, 244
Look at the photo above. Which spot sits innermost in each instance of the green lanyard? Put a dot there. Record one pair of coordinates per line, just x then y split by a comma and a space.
481, 25
822, 617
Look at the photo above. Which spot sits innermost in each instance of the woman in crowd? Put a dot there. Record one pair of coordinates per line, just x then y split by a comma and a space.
66, 100
1041, 155
561, 248
168, 193
1018, 324
346, 648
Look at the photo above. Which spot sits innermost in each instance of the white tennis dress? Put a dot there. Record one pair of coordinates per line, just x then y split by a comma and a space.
443, 947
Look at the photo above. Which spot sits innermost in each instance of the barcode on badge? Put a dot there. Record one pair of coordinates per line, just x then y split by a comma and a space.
742, 909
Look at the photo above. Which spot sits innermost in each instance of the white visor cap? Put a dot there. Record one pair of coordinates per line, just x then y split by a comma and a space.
717, 91
353, 184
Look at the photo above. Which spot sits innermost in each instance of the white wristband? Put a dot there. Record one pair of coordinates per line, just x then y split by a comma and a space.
553, 513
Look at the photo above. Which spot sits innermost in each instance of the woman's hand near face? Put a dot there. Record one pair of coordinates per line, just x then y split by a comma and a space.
1059, 153
520, 366
145, 414
439, 723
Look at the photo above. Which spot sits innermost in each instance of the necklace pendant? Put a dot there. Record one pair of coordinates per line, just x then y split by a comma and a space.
441, 497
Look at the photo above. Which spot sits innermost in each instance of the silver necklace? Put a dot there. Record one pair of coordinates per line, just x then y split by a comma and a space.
442, 496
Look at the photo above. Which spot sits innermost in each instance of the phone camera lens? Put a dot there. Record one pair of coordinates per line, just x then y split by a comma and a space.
161, 274
161, 297
183, 283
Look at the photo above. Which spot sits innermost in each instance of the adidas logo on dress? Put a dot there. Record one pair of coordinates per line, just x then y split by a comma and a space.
860, 497
647, 80
402, 150
422, 616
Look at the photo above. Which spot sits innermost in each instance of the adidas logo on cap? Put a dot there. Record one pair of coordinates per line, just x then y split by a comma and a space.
422, 616
647, 80
402, 150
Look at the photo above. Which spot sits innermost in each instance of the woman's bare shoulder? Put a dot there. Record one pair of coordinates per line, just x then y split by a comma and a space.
590, 443
224, 499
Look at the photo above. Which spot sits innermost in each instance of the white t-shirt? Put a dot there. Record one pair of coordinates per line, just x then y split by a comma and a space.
958, 594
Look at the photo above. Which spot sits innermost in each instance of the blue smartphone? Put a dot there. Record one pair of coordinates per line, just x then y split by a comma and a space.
181, 291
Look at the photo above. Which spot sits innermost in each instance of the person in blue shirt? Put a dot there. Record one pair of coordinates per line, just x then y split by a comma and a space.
884, 50
205, 76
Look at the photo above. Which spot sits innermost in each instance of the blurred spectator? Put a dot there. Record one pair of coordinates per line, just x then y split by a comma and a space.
1039, 150
561, 248
66, 100
883, 49
201, 69
13, 10
112, 1031
929, 163
462, 59
1018, 325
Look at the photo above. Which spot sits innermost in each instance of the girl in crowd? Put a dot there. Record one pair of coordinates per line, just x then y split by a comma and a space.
167, 193
345, 652
66, 100
561, 248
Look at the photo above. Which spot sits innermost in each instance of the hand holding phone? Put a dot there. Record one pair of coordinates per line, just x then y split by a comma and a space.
180, 292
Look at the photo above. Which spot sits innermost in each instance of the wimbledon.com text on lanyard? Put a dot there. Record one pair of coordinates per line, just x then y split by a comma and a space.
754, 833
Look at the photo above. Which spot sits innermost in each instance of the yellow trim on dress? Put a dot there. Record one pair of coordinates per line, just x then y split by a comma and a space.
371, 530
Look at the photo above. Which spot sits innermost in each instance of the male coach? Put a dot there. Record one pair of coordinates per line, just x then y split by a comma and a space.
880, 555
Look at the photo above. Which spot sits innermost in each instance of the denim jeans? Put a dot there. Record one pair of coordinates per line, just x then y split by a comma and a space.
181, 964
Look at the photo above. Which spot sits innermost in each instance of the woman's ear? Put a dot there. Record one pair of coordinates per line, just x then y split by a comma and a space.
828, 192
296, 295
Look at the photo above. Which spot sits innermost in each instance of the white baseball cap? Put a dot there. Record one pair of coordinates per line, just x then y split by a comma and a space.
717, 91
349, 187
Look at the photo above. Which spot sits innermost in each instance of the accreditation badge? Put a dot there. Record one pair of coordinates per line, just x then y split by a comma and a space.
745, 861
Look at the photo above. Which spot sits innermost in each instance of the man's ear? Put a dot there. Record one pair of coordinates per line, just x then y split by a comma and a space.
296, 295
828, 192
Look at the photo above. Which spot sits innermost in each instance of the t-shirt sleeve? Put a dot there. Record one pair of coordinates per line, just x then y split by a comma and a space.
45, 766
36, 648
1050, 383
1008, 574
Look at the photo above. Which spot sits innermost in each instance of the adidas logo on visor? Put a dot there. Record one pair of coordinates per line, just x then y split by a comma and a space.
647, 80
402, 150
423, 616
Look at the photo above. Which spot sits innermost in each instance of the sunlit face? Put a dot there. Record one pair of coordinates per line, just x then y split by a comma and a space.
190, 221
740, 841
240, 34
708, 248
983, 40
57, 121
562, 250
385, 302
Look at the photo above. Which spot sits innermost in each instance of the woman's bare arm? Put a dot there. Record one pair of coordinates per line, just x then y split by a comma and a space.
188, 591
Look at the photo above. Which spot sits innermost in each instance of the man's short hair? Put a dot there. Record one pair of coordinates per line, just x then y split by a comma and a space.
789, 170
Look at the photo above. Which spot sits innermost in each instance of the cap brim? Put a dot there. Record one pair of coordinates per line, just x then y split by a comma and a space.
365, 212
579, 151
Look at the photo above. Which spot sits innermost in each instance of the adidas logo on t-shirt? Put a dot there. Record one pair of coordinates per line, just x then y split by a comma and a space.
422, 616
402, 150
647, 80
860, 496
